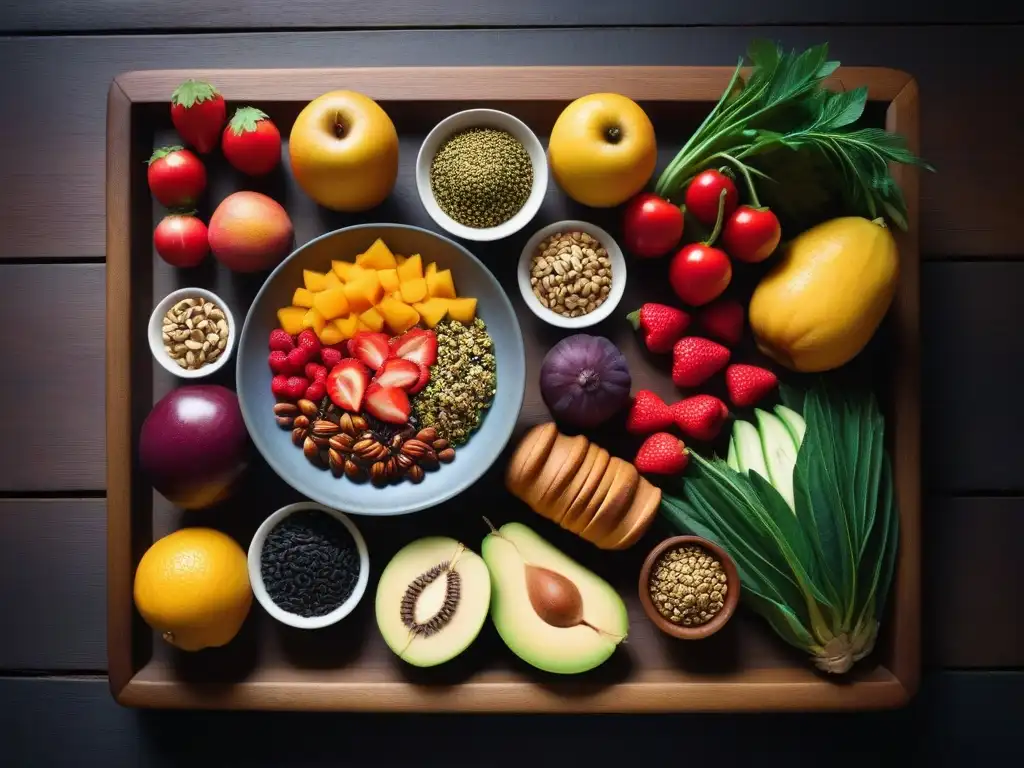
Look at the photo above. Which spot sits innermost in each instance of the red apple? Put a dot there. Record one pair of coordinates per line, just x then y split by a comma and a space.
250, 232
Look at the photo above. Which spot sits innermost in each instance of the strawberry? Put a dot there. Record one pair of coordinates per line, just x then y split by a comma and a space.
748, 383
317, 390
330, 357
397, 372
251, 142
315, 372
307, 340
662, 324
648, 413
281, 341
695, 360
418, 345
279, 385
297, 360
279, 362
369, 348
700, 417
346, 384
662, 454
421, 382
198, 113
389, 404
723, 320
296, 387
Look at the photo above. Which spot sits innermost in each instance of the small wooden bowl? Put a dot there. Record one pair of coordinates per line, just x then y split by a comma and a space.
732, 597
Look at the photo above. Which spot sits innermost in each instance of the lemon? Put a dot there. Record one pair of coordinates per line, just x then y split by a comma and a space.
192, 586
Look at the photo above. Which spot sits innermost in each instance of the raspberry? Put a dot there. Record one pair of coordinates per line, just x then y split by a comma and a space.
280, 341
308, 340
315, 372
279, 361
297, 360
330, 357
296, 387
317, 390
279, 385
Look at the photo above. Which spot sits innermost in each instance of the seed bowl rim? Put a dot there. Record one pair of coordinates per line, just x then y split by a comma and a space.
482, 118
615, 295
732, 599
155, 334
259, 589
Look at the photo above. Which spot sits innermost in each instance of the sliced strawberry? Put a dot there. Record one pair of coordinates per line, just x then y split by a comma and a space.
389, 404
397, 372
369, 348
421, 382
346, 384
418, 345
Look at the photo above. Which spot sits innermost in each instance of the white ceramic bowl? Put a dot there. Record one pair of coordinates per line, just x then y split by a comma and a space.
618, 285
156, 341
482, 118
260, 590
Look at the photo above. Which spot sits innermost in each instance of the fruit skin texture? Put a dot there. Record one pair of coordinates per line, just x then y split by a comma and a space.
826, 296
662, 454
198, 112
662, 325
602, 149
695, 360
561, 650
351, 172
192, 586
181, 240
176, 177
722, 320
251, 142
699, 273
651, 226
751, 235
702, 196
747, 384
250, 232
648, 413
700, 417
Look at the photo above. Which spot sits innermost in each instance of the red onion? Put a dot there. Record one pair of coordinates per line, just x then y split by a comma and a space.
584, 380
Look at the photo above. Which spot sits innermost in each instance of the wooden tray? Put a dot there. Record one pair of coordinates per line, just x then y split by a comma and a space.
348, 667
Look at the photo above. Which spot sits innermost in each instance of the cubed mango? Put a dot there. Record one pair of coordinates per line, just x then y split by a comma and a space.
345, 270
358, 301
388, 279
432, 311
347, 326
399, 259
377, 256
400, 317
440, 285
331, 280
411, 269
331, 303
430, 270
290, 319
303, 297
314, 281
372, 318
330, 335
463, 310
414, 290
313, 319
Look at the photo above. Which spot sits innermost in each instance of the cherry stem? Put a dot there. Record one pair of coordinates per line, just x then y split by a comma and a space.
746, 177
721, 215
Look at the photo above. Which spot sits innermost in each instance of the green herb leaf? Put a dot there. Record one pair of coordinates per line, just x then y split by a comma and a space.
245, 119
840, 109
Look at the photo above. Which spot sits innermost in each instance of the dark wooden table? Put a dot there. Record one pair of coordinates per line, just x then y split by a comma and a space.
57, 58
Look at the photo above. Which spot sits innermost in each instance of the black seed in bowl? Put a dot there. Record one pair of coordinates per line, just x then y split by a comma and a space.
309, 563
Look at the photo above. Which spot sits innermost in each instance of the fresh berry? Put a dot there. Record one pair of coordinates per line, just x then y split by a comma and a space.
346, 384
279, 362
280, 340
397, 372
662, 324
648, 413
695, 360
279, 385
422, 381
182, 240
699, 273
296, 387
700, 417
297, 360
330, 357
662, 454
251, 142
751, 234
747, 384
704, 193
307, 340
418, 345
198, 113
317, 390
176, 177
315, 372
722, 320
389, 404
369, 348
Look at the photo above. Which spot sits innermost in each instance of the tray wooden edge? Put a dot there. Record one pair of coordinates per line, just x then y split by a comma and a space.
501, 83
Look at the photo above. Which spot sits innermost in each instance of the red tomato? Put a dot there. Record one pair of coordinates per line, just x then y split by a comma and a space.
751, 234
176, 177
181, 240
699, 273
251, 142
651, 226
703, 193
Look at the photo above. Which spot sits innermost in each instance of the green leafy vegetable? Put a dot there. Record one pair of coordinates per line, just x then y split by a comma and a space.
818, 571
784, 113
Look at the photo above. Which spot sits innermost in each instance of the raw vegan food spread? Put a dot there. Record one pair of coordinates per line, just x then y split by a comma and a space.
382, 372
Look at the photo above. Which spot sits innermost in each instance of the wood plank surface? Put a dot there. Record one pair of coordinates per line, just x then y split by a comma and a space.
60, 15
54, 168
52, 384
958, 718
52, 584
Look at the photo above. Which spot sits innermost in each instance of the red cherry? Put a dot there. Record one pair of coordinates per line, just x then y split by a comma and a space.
699, 273
751, 234
703, 193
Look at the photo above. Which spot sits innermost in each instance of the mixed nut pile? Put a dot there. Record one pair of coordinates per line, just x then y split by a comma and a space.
195, 332
571, 273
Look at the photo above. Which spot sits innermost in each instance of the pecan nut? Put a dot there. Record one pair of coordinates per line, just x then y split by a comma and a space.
404, 461
286, 409
354, 472
379, 472
308, 408
299, 435
285, 422
369, 450
346, 425
359, 423
341, 443
440, 444
319, 440
447, 456
415, 448
310, 448
336, 460
325, 428
415, 473
427, 435
302, 422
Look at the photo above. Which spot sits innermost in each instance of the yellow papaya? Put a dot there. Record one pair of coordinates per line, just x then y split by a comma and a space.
818, 307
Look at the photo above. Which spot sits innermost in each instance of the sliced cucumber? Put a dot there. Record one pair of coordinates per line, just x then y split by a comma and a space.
749, 454
779, 453
794, 423
730, 458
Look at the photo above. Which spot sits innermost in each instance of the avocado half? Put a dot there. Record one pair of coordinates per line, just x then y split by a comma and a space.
432, 600
551, 611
